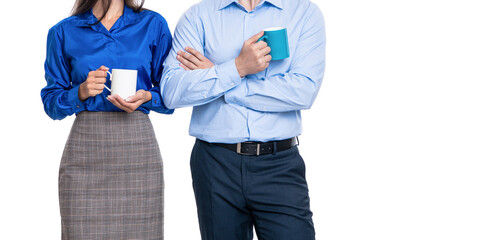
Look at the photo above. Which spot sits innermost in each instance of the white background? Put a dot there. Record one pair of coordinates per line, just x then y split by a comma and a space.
400, 144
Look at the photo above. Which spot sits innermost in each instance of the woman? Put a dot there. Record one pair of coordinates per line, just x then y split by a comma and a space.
111, 176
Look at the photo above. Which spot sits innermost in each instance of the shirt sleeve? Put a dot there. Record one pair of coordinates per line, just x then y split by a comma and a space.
159, 52
297, 88
180, 88
60, 98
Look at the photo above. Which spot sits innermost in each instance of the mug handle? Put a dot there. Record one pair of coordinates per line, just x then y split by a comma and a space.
110, 79
263, 38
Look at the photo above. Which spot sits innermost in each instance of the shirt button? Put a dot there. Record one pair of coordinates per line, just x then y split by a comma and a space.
155, 101
78, 106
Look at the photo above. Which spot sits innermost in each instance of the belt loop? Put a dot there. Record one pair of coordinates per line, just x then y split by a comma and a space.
258, 147
274, 147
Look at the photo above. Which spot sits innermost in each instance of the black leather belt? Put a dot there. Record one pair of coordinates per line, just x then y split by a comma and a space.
260, 148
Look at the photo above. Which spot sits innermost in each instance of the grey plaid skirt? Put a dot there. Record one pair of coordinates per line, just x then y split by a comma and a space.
111, 178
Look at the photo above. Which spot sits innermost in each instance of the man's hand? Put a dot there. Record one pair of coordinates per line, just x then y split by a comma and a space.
131, 103
253, 57
192, 59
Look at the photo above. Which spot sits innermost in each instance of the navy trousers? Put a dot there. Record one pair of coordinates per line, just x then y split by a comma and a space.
235, 193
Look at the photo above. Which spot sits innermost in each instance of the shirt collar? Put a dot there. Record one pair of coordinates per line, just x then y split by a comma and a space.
225, 3
87, 19
276, 3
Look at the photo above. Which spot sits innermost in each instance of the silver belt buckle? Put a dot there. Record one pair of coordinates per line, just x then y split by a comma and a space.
239, 148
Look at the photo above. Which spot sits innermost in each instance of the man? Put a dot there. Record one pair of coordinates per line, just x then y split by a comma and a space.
246, 168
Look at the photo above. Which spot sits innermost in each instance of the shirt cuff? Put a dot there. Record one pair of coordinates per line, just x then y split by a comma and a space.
228, 74
236, 94
74, 101
154, 102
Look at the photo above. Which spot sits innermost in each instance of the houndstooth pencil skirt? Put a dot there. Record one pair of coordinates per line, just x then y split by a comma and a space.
111, 178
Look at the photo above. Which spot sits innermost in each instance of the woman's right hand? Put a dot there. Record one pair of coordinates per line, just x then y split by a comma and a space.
94, 84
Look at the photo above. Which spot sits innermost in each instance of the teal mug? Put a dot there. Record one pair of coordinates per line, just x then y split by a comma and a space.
276, 38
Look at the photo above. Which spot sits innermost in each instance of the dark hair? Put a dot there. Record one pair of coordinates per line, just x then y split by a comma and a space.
82, 6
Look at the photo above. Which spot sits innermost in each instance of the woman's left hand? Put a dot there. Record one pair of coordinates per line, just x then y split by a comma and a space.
131, 103
193, 59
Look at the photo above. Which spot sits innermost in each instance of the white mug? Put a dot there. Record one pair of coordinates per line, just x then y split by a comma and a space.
123, 82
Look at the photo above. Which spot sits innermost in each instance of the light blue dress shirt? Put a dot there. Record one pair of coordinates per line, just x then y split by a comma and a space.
259, 107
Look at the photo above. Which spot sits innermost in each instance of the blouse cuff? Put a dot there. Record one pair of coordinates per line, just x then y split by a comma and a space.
74, 101
156, 99
154, 102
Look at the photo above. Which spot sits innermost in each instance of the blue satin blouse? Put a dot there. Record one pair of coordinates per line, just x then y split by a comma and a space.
138, 40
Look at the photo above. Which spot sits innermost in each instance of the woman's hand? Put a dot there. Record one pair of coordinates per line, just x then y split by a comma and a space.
94, 84
131, 103
192, 59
